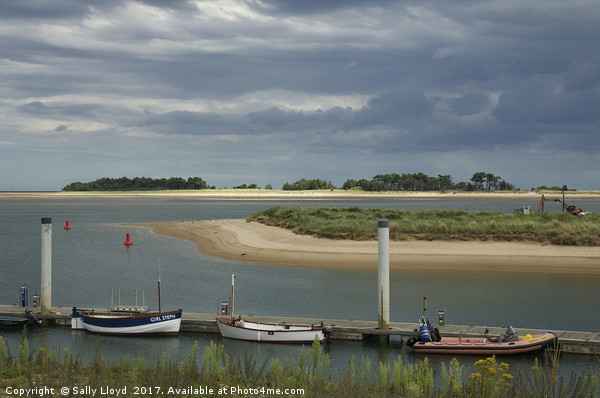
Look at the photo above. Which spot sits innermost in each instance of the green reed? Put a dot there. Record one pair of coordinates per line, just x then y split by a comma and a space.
311, 371
361, 224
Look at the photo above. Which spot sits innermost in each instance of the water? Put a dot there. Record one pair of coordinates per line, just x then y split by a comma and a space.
90, 259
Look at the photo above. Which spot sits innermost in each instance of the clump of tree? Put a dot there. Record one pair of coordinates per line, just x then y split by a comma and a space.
564, 188
480, 181
247, 186
139, 184
308, 185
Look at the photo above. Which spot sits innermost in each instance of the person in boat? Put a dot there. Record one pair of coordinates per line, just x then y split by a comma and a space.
426, 332
434, 332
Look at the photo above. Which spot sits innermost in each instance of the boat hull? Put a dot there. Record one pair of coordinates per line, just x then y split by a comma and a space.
19, 321
272, 333
154, 323
13, 321
483, 346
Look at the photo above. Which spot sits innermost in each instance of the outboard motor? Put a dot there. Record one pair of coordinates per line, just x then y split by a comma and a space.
31, 317
435, 334
327, 332
509, 335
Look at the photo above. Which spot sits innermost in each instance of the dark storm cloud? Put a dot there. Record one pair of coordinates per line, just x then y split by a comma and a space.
41, 9
539, 102
390, 110
469, 103
183, 5
452, 84
301, 7
192, 123
38, 108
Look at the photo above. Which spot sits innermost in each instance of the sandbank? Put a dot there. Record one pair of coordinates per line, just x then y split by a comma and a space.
244, 241
316, 194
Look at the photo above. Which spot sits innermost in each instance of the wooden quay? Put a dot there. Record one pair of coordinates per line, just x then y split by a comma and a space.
570, 341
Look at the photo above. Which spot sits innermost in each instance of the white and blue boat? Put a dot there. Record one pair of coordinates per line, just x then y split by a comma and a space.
127, 323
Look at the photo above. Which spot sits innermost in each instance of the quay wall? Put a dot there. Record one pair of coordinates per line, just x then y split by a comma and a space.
570, 341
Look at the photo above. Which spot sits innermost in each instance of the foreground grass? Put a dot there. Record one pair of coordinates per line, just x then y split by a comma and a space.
361, 224
310, 375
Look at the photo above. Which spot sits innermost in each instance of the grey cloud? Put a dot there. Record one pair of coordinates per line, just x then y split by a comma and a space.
390, 110
583, 76
35, 107
184, 5
539, 102
437, 78
470, 103
309, 6
40, 109
40, 9
400, 105
191, 123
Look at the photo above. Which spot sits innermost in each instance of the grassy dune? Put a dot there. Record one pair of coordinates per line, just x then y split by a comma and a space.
361, 224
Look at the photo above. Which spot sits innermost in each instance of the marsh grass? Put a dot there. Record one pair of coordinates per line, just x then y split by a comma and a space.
311, 371
361, 224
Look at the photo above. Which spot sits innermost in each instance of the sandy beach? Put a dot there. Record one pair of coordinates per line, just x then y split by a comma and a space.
317, 194
254, 242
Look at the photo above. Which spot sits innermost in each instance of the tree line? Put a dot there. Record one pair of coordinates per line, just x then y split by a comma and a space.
139, 184
308, 185
481, 181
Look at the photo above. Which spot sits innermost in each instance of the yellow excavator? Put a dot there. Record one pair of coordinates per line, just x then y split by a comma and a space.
571, 209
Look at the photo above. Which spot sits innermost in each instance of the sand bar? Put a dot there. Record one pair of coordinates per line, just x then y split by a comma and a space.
316, 194
254, 242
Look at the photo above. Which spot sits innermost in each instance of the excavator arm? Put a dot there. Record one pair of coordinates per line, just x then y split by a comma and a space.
571, 209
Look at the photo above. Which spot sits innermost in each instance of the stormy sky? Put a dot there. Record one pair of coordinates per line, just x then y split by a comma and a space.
267, 92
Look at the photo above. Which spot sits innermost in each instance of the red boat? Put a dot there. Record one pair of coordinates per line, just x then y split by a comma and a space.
507, 343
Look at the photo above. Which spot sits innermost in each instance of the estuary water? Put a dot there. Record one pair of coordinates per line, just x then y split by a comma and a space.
90, 260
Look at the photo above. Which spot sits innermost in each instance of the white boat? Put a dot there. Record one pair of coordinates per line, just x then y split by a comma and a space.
127, 323
128, 320
241, 329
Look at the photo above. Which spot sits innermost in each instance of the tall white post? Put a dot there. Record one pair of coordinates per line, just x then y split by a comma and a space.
383, 286
232, 295
46, 280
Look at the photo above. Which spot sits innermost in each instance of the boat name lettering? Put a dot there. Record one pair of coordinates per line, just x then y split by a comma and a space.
537, 339
162, 318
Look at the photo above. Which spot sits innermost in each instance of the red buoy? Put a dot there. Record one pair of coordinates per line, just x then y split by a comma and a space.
67, 226
128, 242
